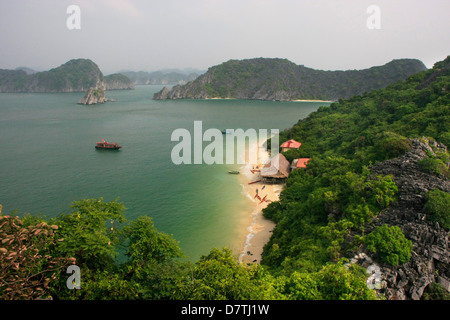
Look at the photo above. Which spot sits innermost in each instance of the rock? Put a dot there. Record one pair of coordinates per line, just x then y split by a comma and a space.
94, 95
430, 258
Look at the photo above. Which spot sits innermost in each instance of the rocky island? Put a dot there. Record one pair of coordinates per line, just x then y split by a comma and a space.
282, 80
95, 95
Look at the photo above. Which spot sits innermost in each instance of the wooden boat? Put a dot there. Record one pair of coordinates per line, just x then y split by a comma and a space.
233, 172
105, 145
254, 182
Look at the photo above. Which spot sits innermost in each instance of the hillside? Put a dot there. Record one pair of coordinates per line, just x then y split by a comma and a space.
280, 79
376, 189
118, 81
159, 77
77, 75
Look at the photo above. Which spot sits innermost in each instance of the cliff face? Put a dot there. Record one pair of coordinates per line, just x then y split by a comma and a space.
94, 95
76, 75
280, 79
430, 259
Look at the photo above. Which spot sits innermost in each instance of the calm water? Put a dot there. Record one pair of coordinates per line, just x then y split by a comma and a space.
48, 159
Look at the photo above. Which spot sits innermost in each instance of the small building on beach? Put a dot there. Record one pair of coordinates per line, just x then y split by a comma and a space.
276, 170
290, 144
299, 163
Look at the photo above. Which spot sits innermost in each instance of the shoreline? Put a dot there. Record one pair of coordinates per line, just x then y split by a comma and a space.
258, 229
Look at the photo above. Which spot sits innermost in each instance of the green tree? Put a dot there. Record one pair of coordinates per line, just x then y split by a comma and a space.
218, 276
437, 206
390, 245
90, 233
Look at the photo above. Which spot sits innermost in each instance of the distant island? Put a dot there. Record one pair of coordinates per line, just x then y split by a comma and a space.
282, 80
77, 75
163, 77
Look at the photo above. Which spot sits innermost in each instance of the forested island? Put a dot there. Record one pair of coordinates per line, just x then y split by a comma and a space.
282, 80
160, 77
376, 192
77, 75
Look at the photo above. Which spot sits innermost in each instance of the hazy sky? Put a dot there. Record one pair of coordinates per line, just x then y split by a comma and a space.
150, 35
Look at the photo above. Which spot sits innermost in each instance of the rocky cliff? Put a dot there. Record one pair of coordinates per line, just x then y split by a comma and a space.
430, 259
280, 79
94, 95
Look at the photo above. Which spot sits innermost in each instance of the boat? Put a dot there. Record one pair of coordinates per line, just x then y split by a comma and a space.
254, 182
225, 131
107, 145
233, 172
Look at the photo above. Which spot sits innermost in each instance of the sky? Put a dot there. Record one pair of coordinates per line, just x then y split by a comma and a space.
150, 35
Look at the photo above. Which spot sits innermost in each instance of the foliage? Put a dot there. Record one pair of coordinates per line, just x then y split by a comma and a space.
263, 78
435, 291
218, 276
89, 231
332, 282
27, 267
336, 195
74, 75
390, 245
435, 166
437, 207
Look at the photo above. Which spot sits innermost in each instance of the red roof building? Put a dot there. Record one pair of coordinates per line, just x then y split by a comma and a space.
299, 163
291, 144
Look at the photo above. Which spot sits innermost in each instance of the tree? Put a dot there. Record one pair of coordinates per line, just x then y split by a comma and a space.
390, 245
27, 267
437, 206
218, 276
89, 232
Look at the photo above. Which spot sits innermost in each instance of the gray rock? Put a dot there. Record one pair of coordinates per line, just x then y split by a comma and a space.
430, 259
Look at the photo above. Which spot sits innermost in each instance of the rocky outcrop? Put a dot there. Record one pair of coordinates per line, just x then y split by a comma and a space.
430, 259
95, 95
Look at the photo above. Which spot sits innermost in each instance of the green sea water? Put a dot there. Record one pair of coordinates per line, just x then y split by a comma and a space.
48, 159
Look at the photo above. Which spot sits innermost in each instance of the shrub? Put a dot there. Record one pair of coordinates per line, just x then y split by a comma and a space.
390, 245
434, 166
437, 206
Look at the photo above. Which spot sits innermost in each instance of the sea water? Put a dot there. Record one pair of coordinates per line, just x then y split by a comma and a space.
48, 159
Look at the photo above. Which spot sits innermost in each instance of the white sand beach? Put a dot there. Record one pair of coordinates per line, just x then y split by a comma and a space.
258, 229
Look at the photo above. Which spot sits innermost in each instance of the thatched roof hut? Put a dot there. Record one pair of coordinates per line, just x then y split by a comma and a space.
276, 170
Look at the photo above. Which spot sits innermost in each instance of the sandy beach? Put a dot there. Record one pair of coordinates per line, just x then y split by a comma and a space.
258, 229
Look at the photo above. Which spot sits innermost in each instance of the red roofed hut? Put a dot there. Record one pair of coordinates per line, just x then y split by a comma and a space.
291, 144
299, 163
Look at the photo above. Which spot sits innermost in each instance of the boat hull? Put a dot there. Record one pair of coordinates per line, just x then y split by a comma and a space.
107, 148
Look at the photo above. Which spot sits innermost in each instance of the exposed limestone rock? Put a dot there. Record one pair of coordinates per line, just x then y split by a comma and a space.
94, 95
430, 259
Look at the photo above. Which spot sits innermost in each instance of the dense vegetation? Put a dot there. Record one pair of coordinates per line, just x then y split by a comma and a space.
280, 79
321, 218
118, 81
77, 75
337, 195
35, 254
